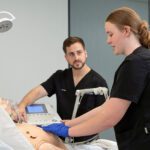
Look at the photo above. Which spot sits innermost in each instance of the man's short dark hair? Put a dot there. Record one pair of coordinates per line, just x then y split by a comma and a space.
71, 40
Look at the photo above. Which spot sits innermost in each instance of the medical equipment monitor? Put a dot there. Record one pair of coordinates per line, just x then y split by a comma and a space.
36, 108
41, 114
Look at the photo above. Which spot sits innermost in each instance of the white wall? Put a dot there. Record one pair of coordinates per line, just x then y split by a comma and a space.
32, 50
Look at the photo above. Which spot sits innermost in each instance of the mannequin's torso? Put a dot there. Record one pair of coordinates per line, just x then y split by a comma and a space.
39, 138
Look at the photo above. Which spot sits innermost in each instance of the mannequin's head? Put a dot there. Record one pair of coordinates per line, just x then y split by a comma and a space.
10, 108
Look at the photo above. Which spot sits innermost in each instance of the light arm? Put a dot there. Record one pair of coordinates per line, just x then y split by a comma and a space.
108, 115
35, 94
82, 118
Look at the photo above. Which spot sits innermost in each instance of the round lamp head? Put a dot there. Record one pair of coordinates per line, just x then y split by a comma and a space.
5, 25
6, 22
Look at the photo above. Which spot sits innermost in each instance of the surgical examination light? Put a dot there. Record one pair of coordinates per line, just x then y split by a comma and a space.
6, 22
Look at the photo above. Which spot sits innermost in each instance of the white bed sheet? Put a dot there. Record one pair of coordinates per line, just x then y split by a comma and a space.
100, 144
4, 146
10, 137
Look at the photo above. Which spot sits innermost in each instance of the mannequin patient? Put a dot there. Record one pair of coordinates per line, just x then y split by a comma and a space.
40, 139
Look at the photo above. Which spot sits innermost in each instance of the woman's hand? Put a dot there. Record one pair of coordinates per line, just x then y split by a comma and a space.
59, 129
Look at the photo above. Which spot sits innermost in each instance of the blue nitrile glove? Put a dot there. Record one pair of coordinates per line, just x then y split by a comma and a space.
59, 129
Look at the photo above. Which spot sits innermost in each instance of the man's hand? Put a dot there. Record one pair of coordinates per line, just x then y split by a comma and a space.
22, 114
57, 128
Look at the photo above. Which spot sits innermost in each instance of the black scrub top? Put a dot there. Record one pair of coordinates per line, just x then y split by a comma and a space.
61, 83
131, 83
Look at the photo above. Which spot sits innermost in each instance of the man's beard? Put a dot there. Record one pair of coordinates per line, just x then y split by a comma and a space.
78, 68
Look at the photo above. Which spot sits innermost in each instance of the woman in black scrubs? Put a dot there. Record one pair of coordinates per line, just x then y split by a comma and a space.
128, 108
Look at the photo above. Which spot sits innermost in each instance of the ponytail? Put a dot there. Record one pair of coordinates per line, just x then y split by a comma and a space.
144, 34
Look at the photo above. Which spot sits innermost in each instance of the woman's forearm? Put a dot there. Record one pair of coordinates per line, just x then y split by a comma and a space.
106, 116
82, 118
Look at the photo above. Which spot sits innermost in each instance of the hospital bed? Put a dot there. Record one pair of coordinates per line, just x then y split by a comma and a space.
12, 139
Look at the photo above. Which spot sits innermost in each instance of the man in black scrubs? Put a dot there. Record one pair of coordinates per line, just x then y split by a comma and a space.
64, 84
